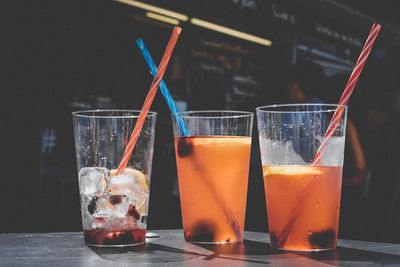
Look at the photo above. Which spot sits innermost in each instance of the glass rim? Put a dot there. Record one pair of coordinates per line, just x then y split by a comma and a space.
197, 114
272, 108
94, 112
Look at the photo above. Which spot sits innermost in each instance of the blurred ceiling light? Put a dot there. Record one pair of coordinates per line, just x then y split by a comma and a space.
232, 32
156, 9
162, 18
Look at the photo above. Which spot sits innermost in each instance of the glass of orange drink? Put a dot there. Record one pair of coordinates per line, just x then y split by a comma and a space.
213, 167
303, 199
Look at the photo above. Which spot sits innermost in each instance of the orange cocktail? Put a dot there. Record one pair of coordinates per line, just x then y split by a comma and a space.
303, 205
213, 175
302, 195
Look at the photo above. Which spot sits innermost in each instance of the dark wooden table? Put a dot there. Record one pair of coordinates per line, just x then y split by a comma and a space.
170, 249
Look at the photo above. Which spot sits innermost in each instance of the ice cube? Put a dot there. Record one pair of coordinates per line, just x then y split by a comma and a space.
98, 222
141, 178
141, 203
122, 184
127, 190
86, 217
334, 152
126, 183
275, 152
113, 205
93, 180
89, 207
133, 184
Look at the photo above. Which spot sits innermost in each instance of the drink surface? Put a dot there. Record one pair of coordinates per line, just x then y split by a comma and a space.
114, 207
213, 175
303, 206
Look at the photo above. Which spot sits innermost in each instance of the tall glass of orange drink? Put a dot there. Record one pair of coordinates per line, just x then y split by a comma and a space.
303, 200
213, 166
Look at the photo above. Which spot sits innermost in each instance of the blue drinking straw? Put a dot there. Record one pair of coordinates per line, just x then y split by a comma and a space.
163, 87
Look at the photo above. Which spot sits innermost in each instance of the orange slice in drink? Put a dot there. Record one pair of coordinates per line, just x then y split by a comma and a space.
141, 178
290, 170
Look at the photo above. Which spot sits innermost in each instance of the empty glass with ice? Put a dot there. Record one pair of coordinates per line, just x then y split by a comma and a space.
114, 206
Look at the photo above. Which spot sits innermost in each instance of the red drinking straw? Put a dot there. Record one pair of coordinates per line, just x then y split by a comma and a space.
149, 99
347, 92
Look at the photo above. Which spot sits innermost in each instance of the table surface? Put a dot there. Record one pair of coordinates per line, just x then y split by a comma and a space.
170, 249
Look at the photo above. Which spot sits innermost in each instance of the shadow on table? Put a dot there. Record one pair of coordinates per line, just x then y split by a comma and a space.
146, 253
255, 252
249, 251
240, 253
344, 255
155, 253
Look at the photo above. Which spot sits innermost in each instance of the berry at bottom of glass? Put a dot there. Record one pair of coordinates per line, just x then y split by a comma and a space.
213, 176
114, 207
303, 205
101, 237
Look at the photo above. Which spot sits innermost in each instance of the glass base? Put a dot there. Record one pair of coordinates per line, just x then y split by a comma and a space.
152, 235
117, 238
305, 250
214, 243
115, 246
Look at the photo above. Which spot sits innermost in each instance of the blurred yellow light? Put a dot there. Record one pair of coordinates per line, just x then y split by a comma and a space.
162, 18
229, 31
156, 9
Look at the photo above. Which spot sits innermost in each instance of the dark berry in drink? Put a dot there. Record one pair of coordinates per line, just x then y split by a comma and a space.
184, 147
322, 239
133, 212
92, 205
123, 237
116, 199
101, 236
201, 232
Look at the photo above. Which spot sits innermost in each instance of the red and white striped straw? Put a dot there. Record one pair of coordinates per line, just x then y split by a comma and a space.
347, 91
149, 99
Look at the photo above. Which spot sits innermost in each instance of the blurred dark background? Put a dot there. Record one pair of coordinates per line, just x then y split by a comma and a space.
62, 56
